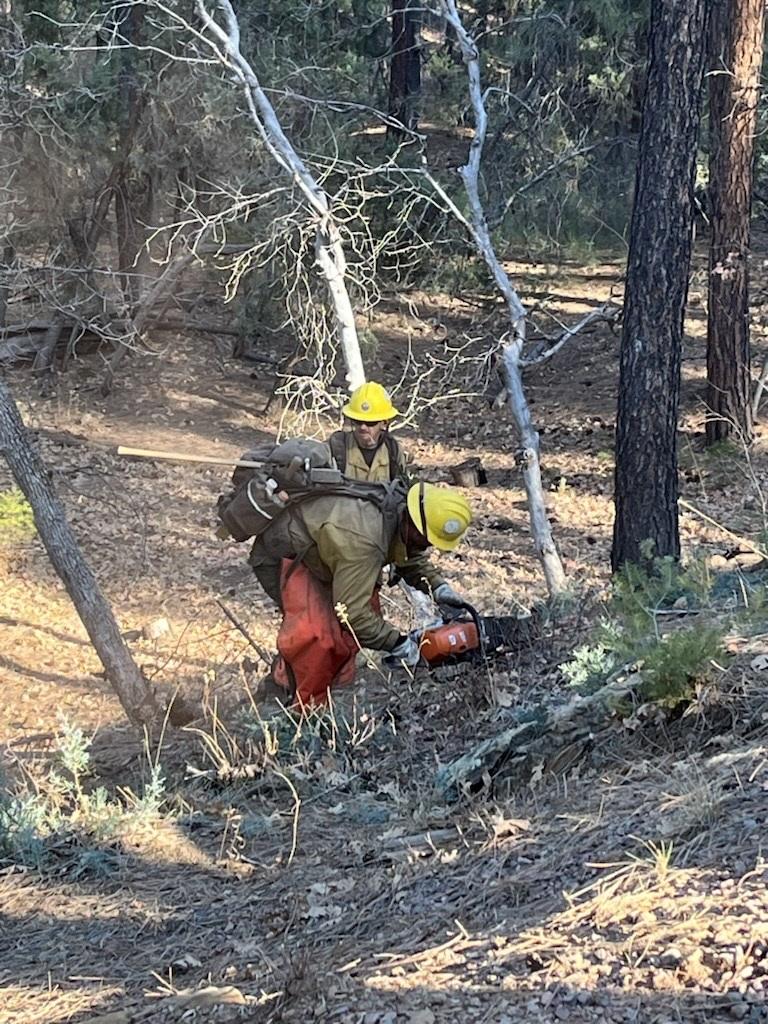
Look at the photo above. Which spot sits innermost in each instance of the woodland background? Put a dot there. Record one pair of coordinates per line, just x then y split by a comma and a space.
601, 857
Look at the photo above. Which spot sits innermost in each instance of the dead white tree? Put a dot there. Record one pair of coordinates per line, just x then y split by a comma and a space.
511, 360
224, 41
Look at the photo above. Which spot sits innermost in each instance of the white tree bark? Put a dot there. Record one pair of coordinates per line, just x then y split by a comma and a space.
328, 243
512, 349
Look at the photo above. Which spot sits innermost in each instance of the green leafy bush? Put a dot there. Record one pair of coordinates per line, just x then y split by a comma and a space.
62, 814
673, 666
671, 663
589, 667
16, 519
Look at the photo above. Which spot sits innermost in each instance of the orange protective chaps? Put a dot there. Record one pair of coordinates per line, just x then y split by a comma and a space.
315, 651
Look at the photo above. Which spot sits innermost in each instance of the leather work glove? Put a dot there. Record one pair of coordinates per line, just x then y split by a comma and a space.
447, 600
407, 652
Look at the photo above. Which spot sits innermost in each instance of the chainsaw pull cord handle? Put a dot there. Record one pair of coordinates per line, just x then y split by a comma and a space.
475, 616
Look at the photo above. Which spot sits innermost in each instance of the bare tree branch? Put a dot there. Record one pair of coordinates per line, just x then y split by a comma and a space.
512, 349
328, 247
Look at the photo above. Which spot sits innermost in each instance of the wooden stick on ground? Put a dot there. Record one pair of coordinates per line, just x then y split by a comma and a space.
212, 460
261, 651
724, 529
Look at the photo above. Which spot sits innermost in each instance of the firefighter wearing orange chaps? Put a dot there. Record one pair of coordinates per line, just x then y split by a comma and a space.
315, 650
329, 552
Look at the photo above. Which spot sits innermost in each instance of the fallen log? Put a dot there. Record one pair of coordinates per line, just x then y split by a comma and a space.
30, 327
20, 348
550, 740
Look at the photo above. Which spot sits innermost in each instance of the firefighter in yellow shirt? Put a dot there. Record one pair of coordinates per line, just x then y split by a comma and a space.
367, 451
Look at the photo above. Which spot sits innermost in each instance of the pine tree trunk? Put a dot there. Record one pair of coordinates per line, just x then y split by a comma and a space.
657, 285
736, 33
134, 192
405, 67
56, 534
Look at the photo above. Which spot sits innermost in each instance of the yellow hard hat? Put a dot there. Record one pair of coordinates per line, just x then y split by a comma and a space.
440, 514
370, 403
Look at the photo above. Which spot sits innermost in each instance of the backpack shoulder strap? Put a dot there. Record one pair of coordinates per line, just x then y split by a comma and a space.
337, 442
393, 450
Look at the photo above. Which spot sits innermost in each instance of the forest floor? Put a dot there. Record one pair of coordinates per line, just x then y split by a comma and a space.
327, 879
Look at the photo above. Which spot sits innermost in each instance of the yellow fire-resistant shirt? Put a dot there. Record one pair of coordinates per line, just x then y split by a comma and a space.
348, 544
379, 471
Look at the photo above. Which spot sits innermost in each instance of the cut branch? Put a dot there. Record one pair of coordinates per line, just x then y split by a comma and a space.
553, 741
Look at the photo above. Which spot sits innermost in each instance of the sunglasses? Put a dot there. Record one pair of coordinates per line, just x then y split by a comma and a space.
366, 423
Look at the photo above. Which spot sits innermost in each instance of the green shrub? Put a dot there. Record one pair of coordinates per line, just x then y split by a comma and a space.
673, 666
16, 520
671, 663
62, 814
589, 667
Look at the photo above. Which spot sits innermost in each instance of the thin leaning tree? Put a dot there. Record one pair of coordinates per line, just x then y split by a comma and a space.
133, 690
224, 42
512, 350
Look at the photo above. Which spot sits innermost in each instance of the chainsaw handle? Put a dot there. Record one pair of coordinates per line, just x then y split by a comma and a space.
476, 618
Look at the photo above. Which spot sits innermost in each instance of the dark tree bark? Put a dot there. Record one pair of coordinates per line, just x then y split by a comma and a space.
405, 67
133, 193
131, 186
736, 34
44, 359
5, 281
132, 688
657, 285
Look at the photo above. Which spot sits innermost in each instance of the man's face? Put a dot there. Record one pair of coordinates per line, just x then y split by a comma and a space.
368, 435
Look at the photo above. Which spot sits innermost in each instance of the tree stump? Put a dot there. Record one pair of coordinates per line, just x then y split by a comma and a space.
469, 473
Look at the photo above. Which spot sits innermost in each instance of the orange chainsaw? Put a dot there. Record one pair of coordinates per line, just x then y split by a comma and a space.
473, 637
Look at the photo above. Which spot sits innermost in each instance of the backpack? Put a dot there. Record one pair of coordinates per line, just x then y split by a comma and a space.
337, 442
291, 473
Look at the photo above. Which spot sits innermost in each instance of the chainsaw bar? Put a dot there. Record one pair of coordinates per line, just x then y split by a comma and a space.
504, 633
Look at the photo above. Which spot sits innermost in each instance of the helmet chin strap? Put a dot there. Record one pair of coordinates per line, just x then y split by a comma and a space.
422, 513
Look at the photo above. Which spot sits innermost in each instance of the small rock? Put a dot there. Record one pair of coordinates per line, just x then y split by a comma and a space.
421, 1017
156, 629
186, 962
670, 958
